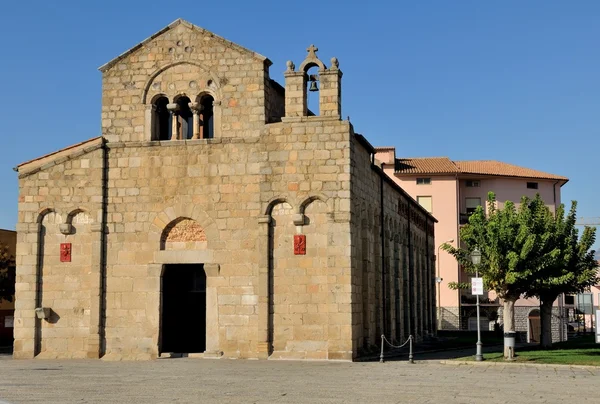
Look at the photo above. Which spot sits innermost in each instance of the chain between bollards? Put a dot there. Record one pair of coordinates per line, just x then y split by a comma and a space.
410, 348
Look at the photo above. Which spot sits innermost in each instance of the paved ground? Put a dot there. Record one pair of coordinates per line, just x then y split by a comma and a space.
245, 381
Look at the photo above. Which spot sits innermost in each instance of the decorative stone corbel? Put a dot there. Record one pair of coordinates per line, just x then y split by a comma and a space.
298, 219
66, 228
266, 219
98, 227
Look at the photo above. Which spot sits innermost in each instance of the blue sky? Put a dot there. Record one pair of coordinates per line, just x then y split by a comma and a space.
513, 81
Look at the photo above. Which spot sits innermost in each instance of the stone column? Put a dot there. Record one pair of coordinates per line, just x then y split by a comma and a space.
212, 312
96, 293
263, 287
28, 291
174, 109
196, 108
150, 127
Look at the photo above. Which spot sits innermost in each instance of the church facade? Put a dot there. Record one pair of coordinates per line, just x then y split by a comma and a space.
217, 216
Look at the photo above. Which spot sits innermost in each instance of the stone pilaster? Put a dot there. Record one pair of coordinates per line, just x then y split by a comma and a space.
295, 92
263, 287
212, 312
95, 343
330, 93
28, 287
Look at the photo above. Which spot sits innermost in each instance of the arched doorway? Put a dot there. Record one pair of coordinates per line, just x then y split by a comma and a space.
534, 326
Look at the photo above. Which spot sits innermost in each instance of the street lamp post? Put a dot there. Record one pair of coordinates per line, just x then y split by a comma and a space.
476, 260
438, 280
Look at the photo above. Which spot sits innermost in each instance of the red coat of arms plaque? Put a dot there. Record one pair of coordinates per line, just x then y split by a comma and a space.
65, 252
299, 244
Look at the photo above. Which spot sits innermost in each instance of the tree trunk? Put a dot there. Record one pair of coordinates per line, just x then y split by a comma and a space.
508, 315
546, 322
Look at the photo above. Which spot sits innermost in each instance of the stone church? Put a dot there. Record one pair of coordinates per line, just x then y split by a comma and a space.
217, 216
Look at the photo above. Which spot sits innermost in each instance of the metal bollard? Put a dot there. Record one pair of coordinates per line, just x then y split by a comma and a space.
410, 351
381, 355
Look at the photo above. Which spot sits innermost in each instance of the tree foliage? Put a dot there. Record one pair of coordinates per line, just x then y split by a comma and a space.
572, 267
512, 242
7, 273
528, 251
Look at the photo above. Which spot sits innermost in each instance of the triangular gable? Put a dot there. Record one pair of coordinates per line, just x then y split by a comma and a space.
174, 24
51, 159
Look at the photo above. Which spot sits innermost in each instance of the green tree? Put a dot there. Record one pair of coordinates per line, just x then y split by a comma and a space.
514, 244
7, 274
572, 267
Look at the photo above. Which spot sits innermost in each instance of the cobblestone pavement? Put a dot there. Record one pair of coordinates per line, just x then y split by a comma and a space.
245, 381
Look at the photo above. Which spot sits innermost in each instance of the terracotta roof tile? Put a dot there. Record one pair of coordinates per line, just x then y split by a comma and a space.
443, 165
426, 165
493, 167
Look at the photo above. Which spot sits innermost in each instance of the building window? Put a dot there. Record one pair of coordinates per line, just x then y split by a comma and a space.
425, 202
184, 118
532, 185
161, 119
473, 184
423, 181
471, 204
207, 117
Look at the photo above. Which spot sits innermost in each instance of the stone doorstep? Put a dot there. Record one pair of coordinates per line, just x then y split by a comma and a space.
195, 355
516, 363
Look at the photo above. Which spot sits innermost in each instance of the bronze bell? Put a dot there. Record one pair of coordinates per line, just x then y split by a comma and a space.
313, 84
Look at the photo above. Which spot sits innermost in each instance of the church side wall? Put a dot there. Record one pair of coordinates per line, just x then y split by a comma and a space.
397, 301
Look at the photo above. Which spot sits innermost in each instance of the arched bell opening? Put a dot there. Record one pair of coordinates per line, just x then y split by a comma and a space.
313, 93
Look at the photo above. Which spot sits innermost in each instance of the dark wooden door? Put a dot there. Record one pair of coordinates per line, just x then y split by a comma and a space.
535, 328
183, 321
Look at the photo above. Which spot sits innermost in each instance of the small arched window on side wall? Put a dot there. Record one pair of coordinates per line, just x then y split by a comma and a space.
207, 117
161, 119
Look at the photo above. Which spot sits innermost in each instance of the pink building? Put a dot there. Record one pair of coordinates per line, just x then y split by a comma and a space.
451, 191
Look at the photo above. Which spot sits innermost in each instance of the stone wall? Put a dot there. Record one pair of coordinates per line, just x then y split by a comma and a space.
223, 185
60, 202
449, 318
407, 304
522, 322
184, 60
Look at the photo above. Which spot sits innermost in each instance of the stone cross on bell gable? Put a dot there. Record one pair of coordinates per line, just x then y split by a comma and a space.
311, 51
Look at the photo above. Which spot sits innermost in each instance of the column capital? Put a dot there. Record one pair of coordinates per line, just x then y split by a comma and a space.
196, 107
66, 228
173, 107
212, 270
298, 219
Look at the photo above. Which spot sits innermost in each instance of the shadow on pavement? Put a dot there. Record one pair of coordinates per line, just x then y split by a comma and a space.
433, 352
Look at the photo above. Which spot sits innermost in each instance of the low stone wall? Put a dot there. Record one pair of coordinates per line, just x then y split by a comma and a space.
522, 322
449, 318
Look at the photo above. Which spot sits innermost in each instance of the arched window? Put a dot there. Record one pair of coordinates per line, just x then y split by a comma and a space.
185, 118
207, 117
161, 119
